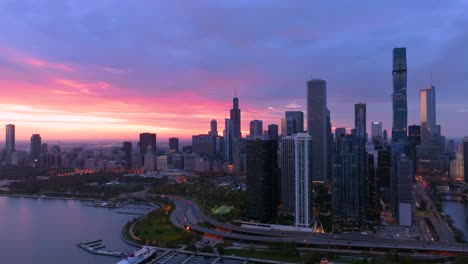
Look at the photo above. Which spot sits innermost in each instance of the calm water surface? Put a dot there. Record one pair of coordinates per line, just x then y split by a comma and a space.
458, 211
47, 231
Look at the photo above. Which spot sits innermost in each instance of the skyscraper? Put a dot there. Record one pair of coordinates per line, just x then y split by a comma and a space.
294, 122
127, 149
360, 120
303, 179
147, 139
228, 140
10, 143
405, 181
288, 169
317, 127
400, 104
213, 128
273, 131
35, 146
427, 108
173, 145
262, 179
256, 128
376, 134
465, 158
236, 119
340, 132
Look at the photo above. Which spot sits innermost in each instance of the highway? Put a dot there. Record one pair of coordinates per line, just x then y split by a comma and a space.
188, 213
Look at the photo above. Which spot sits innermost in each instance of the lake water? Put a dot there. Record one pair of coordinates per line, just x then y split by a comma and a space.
47, 231
458, 211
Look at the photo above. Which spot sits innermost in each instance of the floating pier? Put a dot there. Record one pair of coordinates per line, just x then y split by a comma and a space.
95, 247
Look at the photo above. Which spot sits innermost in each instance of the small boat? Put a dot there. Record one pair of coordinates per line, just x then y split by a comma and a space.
139, 256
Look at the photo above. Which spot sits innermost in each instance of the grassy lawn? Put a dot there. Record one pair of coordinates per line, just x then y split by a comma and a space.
157, 229
223, 209
270, 255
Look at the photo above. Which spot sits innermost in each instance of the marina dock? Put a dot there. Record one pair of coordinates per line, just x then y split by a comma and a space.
95, 247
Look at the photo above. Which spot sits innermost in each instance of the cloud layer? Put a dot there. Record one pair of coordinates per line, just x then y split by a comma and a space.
112, 69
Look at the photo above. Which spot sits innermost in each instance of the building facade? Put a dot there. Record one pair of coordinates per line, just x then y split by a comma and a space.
400, 103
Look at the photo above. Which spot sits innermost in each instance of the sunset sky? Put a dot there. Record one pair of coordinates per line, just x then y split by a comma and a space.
110, 69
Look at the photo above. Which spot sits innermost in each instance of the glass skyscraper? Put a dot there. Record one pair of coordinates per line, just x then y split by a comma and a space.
400, 103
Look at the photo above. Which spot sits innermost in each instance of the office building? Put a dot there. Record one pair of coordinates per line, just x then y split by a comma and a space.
205, 145
317, 127
376, 134
150, 159
465, 158
303, 179
127, 149
147, 139
458, 170
256, 128
294, 122
405, 181
173, 145
235, 118
213, 128
373, 190
283, 126
360, 122
273, 132
262, 179
427, 110
340, 132
400, 104
349, 184
35, 149
228, 141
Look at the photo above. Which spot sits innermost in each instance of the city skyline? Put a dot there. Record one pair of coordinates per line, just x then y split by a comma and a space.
83, 78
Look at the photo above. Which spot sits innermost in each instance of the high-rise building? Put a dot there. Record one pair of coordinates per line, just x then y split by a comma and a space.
35, 146
303, 179
372, 195
173, 145
273, 131
204, 145
349, 184
317, 127
150, 159
376, 134
296, 180
236, 119
256, 128
459, 173
465, 158
294, 122
414, 138
228, 140
213, 128
262, 179
427, 110
405, 181
384, 172
283, 126
360, 122
400, 103
10, 143
340, 132
127, 149
147, 139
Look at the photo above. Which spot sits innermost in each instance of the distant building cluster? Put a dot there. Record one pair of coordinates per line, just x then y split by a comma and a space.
286, 166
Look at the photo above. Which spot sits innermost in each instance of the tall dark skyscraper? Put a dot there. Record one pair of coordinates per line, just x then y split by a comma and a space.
147, 139
173, 145
376, 134
228, 140
127, 149
256, 128
294, 122
10, 143
400, 103
340, 132
236, 119
36, 145
317, 127
262, 179
465, 158
213, 128
360, 120
273, 131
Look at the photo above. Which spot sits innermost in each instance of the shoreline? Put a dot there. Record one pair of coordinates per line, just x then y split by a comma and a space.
35, 196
